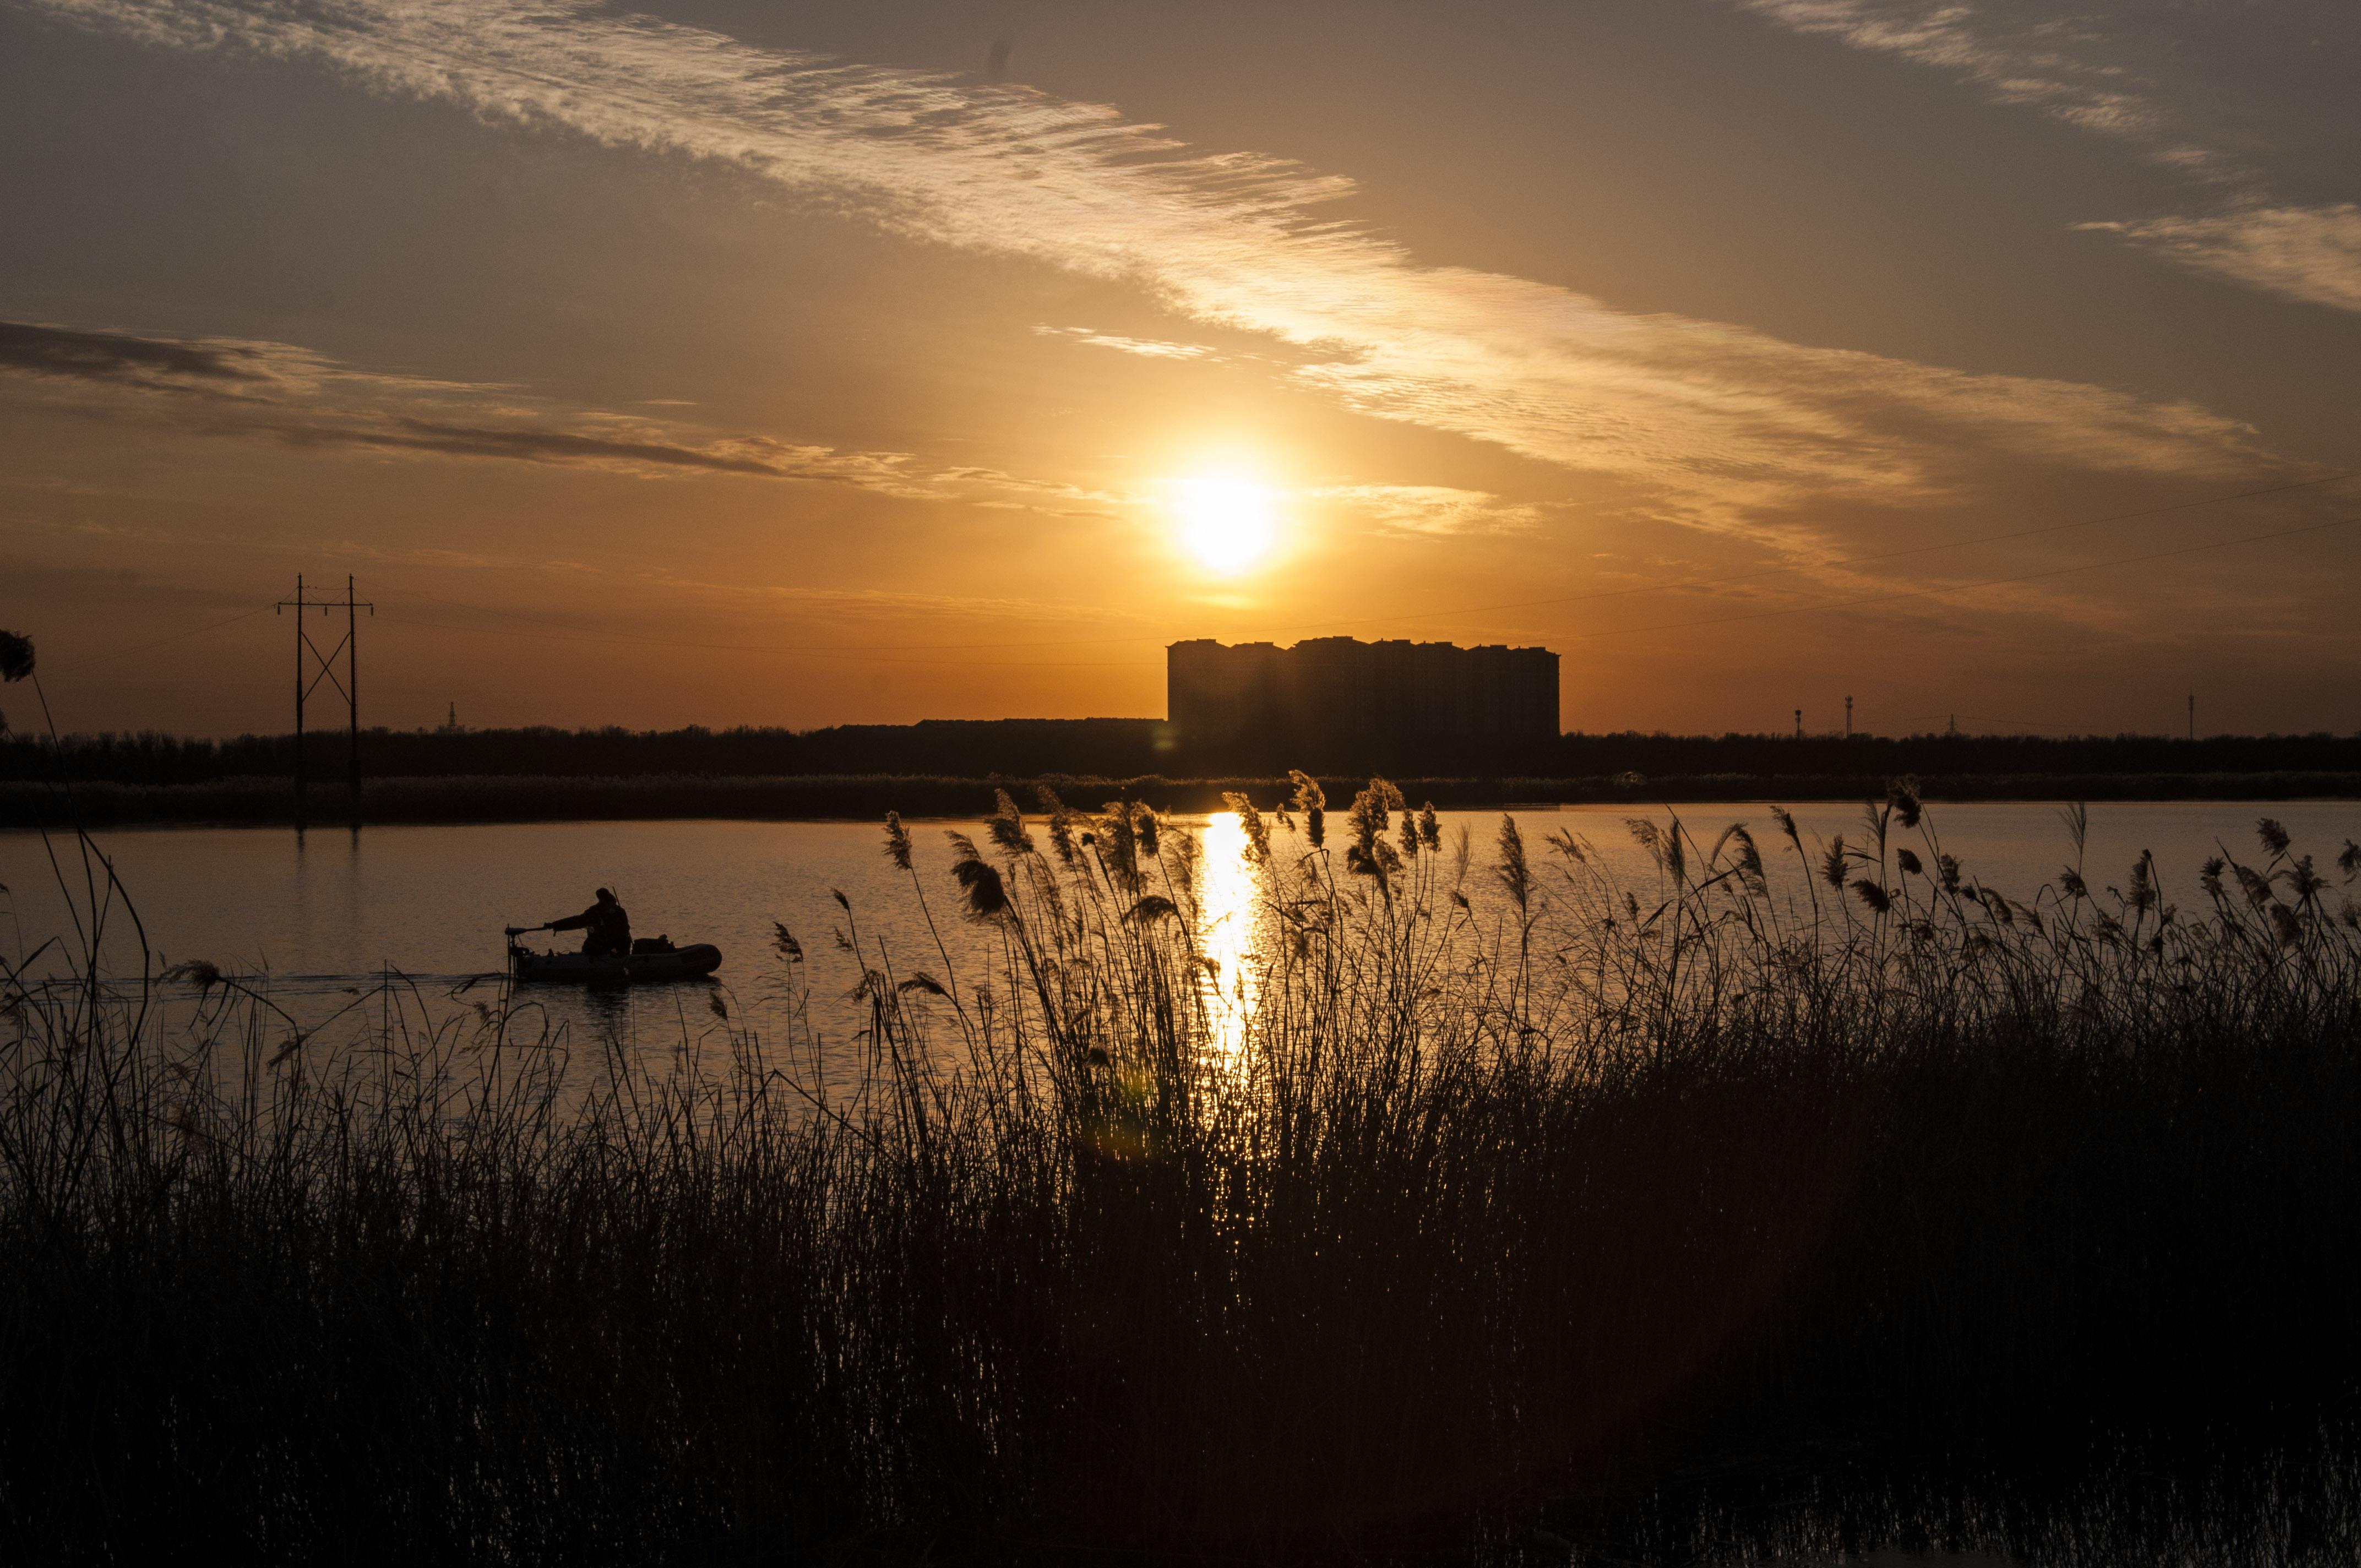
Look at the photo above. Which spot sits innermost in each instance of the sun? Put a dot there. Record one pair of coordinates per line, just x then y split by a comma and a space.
1227, 523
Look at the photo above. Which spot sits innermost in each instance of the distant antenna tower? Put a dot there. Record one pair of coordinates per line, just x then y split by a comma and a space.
311, 667
1799, 724
1848, 718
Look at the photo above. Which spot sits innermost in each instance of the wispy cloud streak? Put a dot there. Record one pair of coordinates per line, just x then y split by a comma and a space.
1430, 509
2312, 254
30, 349
1711, 421
1146, 347
282, 392
2067, 65
2038, 56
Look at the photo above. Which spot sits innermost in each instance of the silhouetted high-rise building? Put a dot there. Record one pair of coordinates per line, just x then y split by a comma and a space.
1340, 704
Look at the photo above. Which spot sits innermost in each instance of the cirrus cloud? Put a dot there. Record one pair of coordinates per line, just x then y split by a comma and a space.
2311, 254
1430, 509
2070, 66
277, 391
1707, 423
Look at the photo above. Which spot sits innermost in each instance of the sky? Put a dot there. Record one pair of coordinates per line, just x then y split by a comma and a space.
1991, 363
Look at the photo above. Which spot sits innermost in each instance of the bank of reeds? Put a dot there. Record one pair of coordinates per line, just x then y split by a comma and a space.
1465, 1197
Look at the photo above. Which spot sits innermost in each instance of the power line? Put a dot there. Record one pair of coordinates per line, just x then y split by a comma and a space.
634, 640
159, 643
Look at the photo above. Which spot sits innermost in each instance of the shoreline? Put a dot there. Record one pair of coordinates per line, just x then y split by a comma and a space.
520, 798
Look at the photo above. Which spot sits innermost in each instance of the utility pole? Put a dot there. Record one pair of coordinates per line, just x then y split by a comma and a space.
353, 696
1799, 724
2193, 716
1848, 718
300, 672
311, 667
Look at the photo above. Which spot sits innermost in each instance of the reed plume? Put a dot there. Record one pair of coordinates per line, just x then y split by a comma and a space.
17, 658
2076, 815
1006, 826
200, 972
980, 882
1310, 802
1514, 875
2143, 896
1251, 821
1902, 794
1118, 844
1369, 854
1063, 818
1749, 858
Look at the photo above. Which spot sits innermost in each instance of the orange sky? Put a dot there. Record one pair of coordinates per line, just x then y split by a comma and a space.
734, 365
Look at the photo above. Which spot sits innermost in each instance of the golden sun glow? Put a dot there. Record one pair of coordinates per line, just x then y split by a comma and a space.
1227, 524
1226, 903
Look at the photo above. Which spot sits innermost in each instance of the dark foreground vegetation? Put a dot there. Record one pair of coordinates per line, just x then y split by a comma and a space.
1810, 1195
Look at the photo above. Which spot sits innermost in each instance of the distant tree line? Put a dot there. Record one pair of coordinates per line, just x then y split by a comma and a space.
974, 749
1655, 755
453, 797
1117, 748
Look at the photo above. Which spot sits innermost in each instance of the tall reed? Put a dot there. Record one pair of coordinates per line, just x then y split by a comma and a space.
1459, 1191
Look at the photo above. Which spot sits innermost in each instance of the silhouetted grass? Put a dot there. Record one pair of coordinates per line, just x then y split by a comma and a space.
1516, 1200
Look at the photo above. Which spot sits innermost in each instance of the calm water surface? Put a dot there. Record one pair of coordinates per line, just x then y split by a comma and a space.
329, 910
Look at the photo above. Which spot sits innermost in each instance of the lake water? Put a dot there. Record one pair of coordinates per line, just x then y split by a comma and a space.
327, 911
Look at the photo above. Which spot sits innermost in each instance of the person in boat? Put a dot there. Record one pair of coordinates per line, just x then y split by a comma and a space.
607, 930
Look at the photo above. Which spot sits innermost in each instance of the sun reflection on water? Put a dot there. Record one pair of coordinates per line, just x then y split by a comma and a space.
1227, 921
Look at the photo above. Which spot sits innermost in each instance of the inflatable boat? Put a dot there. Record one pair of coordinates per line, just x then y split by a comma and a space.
622, 968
